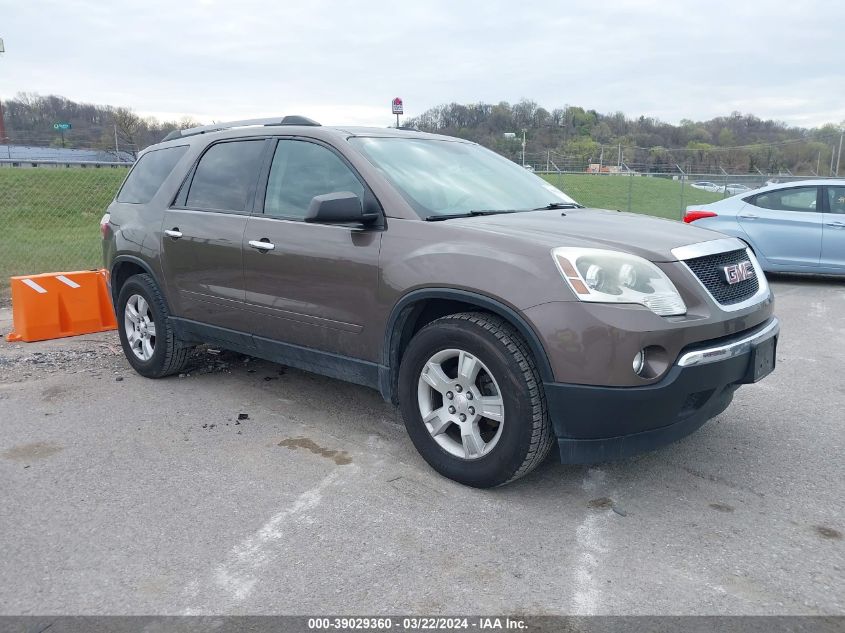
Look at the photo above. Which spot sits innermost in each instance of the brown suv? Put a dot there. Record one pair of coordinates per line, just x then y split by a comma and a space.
501, 316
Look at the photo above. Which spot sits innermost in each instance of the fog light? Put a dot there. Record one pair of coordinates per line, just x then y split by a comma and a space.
639, 362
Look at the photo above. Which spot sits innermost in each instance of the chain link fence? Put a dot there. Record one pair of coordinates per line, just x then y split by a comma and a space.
50, 210
50, 213
644, 189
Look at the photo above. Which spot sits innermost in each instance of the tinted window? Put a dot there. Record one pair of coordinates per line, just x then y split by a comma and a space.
302, 170
836, 199
149, 172
225, 176
797, 199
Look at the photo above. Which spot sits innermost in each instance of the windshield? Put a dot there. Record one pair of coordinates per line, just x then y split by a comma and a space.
445, 178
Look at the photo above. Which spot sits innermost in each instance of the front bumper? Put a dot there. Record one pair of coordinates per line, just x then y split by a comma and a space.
597, 424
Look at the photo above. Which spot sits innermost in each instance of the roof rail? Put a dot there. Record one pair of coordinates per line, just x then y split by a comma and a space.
292, 119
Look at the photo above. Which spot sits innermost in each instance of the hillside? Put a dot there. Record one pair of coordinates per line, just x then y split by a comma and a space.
30, 118
738, 143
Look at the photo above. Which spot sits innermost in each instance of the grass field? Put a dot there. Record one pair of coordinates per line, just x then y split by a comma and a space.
649, 195
49, 218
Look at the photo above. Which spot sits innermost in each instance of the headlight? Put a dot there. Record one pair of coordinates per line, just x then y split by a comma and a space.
604, 276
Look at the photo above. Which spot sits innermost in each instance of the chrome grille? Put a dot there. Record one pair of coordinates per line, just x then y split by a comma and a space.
709, 270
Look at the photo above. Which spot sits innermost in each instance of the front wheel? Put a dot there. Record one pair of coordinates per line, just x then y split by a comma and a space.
472, 400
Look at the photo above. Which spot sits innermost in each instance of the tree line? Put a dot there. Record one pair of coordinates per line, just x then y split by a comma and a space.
737, 143
30, 118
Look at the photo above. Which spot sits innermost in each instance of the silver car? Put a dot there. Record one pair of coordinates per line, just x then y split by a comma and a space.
706, 185
791, 227
735, 188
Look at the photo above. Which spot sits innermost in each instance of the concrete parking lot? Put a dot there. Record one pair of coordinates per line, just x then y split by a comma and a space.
122, 495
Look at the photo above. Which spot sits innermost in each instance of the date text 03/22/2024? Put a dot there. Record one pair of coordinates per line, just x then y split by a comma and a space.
417, 623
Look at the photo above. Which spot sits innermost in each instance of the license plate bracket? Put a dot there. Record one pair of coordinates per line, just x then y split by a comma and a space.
762, 361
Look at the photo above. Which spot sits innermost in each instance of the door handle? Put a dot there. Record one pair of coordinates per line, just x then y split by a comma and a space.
175, 233
748, 216
837, 225
262, 245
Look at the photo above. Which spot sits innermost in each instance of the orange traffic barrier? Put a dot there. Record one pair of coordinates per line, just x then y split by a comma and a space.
54, 305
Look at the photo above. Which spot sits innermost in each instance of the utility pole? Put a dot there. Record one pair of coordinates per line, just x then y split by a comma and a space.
832, 155
116, 149
839, 153
818, 162
2, 122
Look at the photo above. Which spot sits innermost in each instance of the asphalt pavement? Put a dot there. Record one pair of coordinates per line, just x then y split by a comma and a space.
244, 487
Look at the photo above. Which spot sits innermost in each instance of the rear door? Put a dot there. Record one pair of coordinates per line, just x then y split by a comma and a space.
313, 285
202, 234
785, 225
833, 233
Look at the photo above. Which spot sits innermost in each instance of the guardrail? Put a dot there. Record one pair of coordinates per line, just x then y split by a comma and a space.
17, 162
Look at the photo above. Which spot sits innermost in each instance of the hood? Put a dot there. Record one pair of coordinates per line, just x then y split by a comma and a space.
641, 235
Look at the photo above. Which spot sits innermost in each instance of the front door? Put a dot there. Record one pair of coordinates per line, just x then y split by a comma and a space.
202, 235
311, 285
785, 225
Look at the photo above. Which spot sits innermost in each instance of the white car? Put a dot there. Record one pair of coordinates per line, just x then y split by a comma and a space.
735, 188
706, 185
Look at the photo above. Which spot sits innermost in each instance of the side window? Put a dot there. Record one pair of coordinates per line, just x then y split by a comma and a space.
302, 170
796, 199
149, 172
226, 176
836, 199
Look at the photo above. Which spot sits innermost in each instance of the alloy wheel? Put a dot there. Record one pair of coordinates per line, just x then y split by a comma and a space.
461, 404
140, 327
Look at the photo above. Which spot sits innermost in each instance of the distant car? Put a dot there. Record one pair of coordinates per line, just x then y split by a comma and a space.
791, 227
529, 168
706, 185
735, 188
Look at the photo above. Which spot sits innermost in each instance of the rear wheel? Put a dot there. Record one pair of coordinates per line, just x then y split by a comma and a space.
472, 400
147, 337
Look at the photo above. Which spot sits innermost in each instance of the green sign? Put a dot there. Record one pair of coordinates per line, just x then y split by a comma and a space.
62, 126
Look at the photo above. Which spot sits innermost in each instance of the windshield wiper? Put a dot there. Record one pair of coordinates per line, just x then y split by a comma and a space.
469, 214
559, 205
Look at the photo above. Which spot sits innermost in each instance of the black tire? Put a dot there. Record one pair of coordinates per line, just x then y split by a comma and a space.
170, 355
526, 435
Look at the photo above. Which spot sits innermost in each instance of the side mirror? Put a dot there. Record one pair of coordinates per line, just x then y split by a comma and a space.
338, 207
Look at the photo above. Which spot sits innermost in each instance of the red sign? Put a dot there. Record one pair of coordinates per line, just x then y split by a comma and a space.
397, 105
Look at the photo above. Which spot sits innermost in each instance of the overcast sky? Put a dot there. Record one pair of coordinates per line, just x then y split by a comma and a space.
342, 62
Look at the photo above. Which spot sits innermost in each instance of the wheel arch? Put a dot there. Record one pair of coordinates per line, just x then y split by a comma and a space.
422, 306
125, 266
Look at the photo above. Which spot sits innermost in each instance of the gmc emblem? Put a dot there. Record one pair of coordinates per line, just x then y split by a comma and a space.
738, 272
